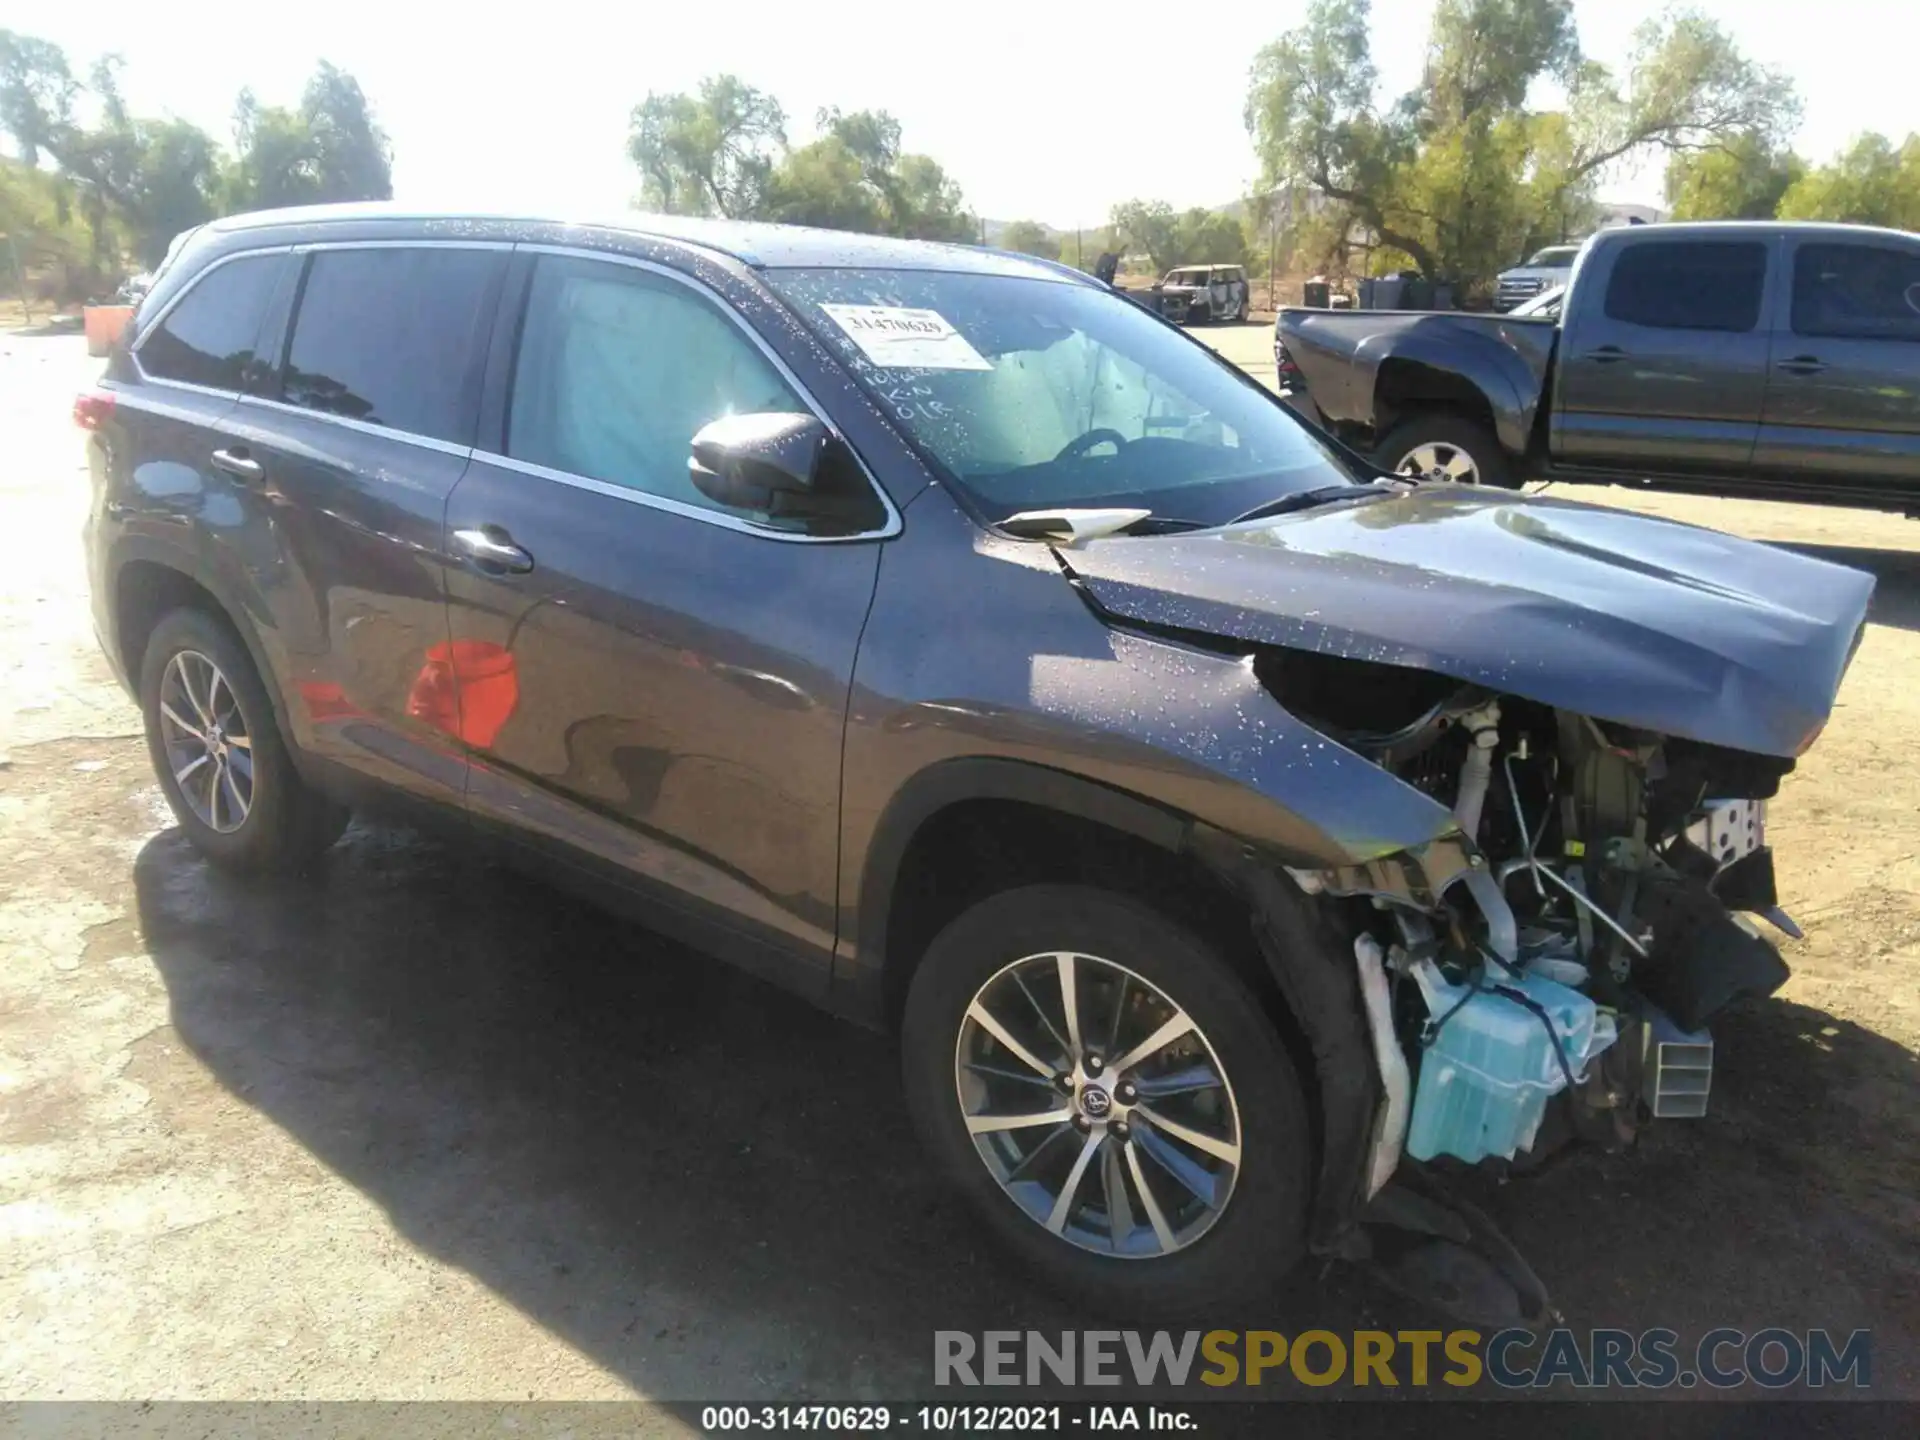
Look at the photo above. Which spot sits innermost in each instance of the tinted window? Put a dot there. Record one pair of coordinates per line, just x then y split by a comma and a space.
392, 337
1689, 285
1868, 292
619, 368
208, 338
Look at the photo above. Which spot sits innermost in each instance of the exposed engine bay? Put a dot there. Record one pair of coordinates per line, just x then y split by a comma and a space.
1553, 978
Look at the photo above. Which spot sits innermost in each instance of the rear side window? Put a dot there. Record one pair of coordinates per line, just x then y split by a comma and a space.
209, 337
1860, 292
392, 337
1689, 285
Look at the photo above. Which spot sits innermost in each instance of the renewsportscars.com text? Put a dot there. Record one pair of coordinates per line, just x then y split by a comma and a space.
1511, 1359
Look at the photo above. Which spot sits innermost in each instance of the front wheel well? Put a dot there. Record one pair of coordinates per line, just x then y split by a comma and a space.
975, 848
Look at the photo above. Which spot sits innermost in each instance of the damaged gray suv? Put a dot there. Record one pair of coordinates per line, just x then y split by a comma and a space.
1238, 842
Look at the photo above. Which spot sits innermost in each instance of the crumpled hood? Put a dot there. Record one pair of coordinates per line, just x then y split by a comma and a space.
1647, 622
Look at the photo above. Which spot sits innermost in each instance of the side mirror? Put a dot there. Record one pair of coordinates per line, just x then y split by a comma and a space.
786, 466
768, 461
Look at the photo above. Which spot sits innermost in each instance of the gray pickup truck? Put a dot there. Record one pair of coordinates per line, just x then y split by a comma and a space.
1766, 360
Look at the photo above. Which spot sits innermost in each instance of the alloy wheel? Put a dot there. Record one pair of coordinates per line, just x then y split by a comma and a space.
1438, 460
1098, 1105
207, 744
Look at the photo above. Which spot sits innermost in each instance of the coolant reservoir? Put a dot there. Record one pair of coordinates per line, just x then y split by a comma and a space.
1485, 1079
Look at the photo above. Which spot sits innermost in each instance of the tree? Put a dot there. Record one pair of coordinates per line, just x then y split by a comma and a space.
1210, 237
823, 184
710, 153
856, 177
328, 150
1870, 184
1030, 237
1743, 179
351, 157
1459, 177
1150, 226
139, 182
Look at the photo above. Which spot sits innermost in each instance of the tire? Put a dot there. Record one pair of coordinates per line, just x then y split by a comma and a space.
284, 824
1240, 1248
1443, 435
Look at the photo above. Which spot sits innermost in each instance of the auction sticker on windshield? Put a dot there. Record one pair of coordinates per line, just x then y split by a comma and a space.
902, 339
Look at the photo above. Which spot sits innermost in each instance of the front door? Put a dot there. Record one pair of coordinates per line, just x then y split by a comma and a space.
1663, 358
1843, 397
654, 685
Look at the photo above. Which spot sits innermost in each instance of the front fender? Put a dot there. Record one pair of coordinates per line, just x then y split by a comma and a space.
1036, 679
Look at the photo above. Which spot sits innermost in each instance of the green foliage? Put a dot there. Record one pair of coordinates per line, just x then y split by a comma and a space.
723, 151
710, 153
1743, 179
1872, 183
1030, 238
1460, 177
139, 182
1170, 237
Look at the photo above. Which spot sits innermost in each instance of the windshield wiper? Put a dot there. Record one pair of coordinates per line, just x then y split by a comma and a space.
1308, 499
1071, 525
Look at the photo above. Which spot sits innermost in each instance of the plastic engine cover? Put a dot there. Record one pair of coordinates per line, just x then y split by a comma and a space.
1486, 1075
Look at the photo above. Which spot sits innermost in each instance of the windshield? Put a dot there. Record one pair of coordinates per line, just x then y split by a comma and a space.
1555, 259
1186, 277
1039, 394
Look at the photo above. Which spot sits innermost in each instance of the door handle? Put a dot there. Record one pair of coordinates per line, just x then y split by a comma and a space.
1606, 355
491, 548
1803, 365
238, 464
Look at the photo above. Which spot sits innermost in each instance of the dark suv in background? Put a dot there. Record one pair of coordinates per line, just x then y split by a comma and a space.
936, 633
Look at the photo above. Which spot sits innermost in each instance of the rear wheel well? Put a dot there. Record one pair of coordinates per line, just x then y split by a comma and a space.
1406, 387
144, 592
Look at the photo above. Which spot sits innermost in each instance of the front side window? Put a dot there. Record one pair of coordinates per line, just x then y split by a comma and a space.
392, 336
209, 337
1689, 285
1035, 393
619, 368
1860, 292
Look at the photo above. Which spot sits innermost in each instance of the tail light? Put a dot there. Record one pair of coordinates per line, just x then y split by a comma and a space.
92, 409
1283, 363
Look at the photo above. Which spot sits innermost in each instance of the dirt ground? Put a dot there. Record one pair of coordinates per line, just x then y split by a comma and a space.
422, 1129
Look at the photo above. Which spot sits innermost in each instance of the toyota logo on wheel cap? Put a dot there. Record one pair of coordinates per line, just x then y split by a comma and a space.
1096, 1102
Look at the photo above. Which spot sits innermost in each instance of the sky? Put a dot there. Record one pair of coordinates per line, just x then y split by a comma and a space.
1043, 112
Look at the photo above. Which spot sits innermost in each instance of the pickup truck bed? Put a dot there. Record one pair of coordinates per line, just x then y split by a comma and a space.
1766, 360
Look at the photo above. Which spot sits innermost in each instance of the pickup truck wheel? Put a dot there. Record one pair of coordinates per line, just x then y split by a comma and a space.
1440, 447
1109, 1096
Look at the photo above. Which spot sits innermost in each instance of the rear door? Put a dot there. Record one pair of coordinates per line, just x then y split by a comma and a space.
654, 686
354, 447
190, 363
1663, 357
1843, 396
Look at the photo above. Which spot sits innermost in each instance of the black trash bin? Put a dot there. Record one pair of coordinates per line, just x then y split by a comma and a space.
1314, 294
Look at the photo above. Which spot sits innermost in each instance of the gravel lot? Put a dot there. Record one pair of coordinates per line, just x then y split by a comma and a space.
423, 1129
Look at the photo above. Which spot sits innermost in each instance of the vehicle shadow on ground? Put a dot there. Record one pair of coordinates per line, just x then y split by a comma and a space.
1896, 593
710, 1188
707, 1186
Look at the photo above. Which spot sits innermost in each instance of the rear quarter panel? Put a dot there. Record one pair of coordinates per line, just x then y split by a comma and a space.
1505, 359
